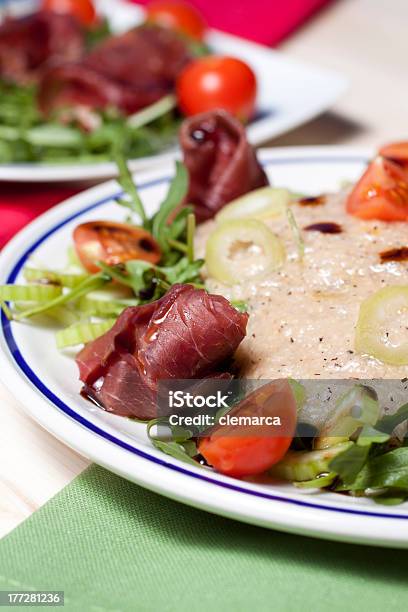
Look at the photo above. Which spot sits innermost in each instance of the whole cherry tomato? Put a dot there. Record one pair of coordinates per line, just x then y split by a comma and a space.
217, 82
177, 15
82, 10
113, 243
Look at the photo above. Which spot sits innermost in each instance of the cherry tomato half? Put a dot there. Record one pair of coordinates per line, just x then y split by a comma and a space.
217, 82
82, 10
113, 243
177, 15
381, 193
396, 152
247, 450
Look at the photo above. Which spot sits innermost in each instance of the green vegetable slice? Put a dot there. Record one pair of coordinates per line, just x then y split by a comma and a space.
65, 279
65, 315
103, 307
54, 135
307, 465
239, 250
152, 112
381, 330
29, 293
91, 283
263, 203
81, 333
296, 232
299, 392
357, 407
325, 480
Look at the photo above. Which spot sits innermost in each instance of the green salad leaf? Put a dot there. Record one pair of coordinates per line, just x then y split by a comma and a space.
175, 196
27, 136
180, 447
389, 422
387, 470
348, 464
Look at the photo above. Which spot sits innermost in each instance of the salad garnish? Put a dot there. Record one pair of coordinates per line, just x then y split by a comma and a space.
89, 292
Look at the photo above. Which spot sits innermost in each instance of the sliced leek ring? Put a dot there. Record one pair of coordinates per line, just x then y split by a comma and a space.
29, 293
381, 329
357, 407
263, 203
239, 250
307, 465
82, 333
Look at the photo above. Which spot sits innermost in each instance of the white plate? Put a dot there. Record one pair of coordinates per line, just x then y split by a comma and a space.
290, 93
46, 381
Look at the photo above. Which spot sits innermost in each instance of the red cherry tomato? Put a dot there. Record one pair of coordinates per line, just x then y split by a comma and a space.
381, 193
82, 10
113, 243
247, 450
177, 15
396, 152
217, 82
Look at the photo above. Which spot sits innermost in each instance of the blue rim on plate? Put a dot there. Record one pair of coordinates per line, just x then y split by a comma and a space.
69, 412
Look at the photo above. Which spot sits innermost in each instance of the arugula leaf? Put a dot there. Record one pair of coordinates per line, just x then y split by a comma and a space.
183, 450
349, 463
178, 225
174, 450
175, 196
125, 180
389, 422
183, 271
150, 282
389, 499
387, 470
26, 136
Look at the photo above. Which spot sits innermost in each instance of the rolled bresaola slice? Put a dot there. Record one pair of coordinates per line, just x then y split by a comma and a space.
221, 163
127, 72
29, 45
187, 334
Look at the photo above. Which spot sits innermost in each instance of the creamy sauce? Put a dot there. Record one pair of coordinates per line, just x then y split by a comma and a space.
302, 317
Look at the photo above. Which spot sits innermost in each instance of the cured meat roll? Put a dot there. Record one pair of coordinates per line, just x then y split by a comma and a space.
127, 72
31, 44
186, 334
222, 164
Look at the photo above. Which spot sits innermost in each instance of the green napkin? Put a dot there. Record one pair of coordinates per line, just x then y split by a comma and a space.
112, 546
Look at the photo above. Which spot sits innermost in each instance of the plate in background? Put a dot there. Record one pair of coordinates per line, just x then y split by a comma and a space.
290, 93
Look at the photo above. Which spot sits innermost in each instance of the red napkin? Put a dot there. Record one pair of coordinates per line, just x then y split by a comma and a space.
265, 21
19, 204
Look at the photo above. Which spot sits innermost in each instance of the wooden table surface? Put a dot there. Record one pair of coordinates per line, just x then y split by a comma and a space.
365, 40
